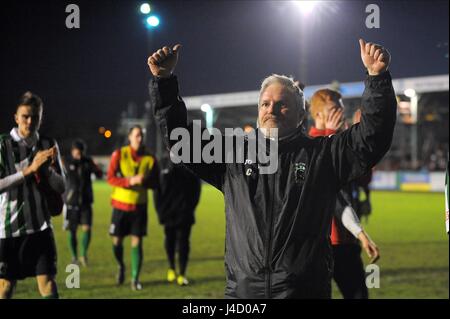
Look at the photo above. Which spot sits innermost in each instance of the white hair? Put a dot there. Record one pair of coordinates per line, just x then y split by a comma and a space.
291, 86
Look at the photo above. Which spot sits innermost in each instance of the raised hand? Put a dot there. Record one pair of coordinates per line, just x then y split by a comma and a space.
163, 62
375, 58
335, 119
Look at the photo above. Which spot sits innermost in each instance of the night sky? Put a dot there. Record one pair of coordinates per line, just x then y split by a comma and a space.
87, 76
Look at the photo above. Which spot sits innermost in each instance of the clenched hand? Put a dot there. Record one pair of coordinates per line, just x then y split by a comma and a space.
375, 58
163, 62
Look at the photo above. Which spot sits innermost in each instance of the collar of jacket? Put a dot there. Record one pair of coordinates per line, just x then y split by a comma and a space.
28, 141
297, 138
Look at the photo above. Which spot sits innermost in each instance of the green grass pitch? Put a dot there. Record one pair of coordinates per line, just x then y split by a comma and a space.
408, 227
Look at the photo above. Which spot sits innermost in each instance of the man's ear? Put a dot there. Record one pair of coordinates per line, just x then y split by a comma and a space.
16, 118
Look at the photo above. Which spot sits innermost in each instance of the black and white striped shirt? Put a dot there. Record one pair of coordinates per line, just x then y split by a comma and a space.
23, 209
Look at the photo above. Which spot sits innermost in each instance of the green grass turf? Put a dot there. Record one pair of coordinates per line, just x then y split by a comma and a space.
408, 227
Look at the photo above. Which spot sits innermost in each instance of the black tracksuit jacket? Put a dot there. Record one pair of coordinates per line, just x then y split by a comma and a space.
79, 184
278, 225
177, 195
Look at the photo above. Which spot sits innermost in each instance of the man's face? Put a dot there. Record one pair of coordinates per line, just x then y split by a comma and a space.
277, 109
28, 120
76, 153
136, 137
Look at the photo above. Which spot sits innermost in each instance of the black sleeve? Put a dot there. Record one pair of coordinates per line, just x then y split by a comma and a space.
341, 202
95, 169
152, 180
170, 113
196, 188
55, 172
356, 150
2, 158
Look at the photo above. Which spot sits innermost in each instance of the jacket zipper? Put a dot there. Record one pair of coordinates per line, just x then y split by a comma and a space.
269, 244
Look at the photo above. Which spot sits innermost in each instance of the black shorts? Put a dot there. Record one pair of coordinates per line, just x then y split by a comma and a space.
28, 256
129, 223
77, 215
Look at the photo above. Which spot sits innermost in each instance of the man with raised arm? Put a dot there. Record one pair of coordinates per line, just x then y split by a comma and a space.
278, 224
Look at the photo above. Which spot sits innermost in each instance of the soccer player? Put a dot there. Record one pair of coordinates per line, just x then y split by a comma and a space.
278, 224
175, 200
132, 171
79, 198
30, 169
327, 109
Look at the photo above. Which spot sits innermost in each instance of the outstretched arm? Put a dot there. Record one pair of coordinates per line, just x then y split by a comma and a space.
170, 112
356, 150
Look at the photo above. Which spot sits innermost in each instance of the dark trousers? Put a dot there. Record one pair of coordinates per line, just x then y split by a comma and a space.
349, 273
177, 240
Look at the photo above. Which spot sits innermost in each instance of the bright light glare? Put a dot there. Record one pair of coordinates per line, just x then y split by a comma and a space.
410, 93
107, 134
145, 8
153, 21
306, 6
206, 108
